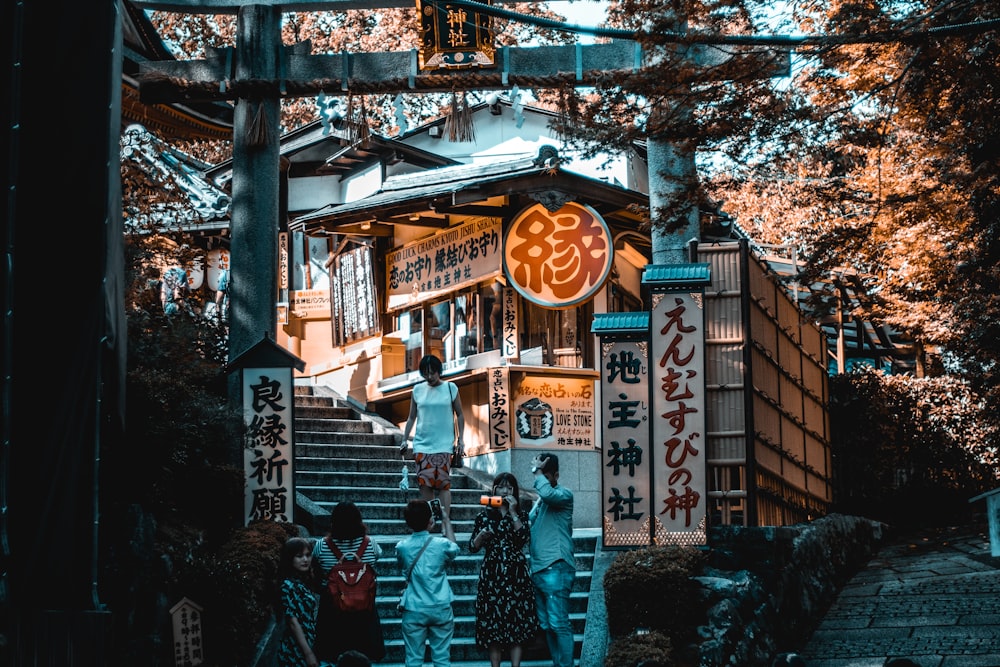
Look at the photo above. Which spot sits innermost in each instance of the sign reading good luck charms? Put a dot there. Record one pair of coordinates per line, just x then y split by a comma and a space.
452, 37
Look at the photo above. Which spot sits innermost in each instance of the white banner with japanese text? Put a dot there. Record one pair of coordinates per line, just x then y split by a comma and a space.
268, 450
454, 258
499, 395
625, 436
677, 354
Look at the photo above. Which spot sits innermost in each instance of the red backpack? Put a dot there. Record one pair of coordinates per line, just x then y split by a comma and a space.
351, 583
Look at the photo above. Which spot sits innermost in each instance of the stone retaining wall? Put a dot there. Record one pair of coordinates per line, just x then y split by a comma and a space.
767, 588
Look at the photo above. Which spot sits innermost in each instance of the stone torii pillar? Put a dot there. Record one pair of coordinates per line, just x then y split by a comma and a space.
255, 208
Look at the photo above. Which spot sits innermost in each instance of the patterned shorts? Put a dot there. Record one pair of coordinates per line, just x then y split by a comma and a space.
434, 470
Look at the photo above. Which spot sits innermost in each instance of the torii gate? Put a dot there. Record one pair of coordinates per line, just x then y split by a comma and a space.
260, 70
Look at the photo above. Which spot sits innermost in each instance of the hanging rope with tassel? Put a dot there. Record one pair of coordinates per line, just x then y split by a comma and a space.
458, 125
358, 130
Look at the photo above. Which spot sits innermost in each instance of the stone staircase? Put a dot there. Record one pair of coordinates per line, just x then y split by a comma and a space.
344, 454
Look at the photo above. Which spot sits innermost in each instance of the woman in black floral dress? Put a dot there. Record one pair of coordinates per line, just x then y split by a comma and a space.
505, 601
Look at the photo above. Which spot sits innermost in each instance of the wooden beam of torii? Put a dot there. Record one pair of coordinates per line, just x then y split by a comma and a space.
259, 71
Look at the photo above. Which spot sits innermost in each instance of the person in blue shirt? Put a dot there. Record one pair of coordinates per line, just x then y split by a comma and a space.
553, 564
436, 411
427, 616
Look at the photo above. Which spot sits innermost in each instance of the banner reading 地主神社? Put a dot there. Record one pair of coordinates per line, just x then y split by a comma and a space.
625, 429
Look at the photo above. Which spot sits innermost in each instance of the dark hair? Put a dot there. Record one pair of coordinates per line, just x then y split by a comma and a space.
430, 364
293, 546
353, 659
346, 522
509, 478
551, 463
417, 515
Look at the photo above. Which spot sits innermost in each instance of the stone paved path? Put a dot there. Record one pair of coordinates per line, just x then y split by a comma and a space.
933, 598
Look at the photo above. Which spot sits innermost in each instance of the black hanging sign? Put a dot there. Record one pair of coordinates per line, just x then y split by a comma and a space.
453, 37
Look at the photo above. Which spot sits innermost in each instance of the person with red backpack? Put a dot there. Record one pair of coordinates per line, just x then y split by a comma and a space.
348, 619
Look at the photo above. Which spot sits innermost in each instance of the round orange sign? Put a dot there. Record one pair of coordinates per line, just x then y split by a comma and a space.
557, 260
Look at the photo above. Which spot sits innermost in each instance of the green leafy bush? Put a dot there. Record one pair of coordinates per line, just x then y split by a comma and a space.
653, 649
652, 588
909, 451
235, 584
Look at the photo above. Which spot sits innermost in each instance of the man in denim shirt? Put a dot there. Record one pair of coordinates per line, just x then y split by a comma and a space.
427, 612
553, 565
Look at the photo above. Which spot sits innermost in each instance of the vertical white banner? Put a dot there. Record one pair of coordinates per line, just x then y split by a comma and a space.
185, 616
268, 452
509, 348
626, 460
677, 384
283, 261
499, 396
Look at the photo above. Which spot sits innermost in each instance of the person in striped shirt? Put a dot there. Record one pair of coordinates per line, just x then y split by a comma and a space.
338, 631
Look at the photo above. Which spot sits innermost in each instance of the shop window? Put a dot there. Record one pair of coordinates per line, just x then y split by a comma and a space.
555, 335
492, 300
620, 300
452, 329
411, 324
448, 328
465, 341
440, 336
309, 259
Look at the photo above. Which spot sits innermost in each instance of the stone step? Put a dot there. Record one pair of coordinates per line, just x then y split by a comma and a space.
339, 439
310, 401
331, 424
391, 577
464, 578
464, 652
326, 411
386, 502
465, 620
370, 473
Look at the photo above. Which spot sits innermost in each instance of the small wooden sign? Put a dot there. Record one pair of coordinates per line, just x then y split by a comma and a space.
186, 620
453, 37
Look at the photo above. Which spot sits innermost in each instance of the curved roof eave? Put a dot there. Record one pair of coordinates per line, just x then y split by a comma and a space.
469, 185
